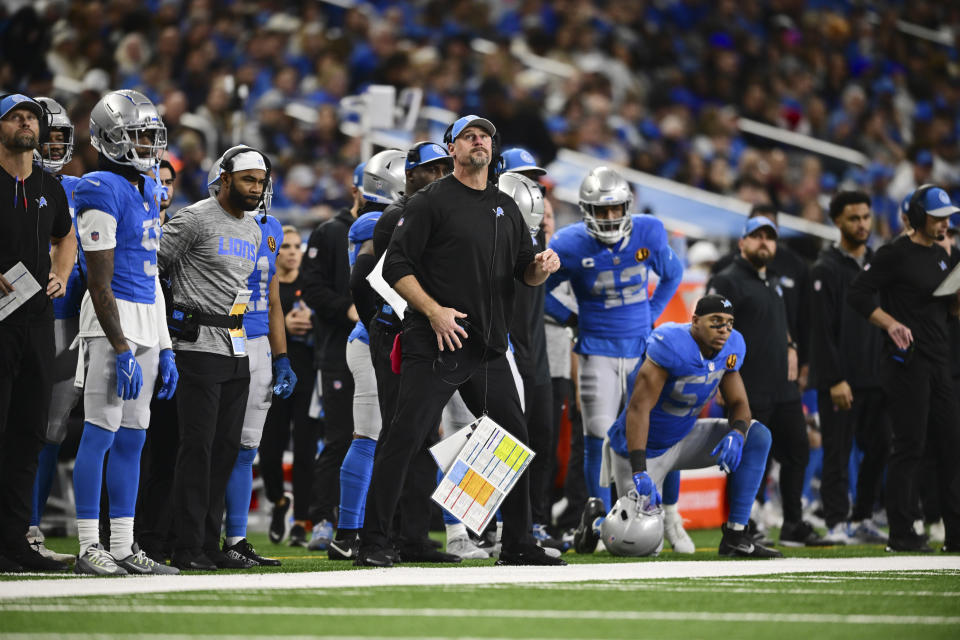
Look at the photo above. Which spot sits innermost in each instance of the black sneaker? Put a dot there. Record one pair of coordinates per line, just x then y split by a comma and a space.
186, 561
23, 554
585, 539
245, 549
740, 544
298, 536
910, 544
229, 559
426, 553
278, 519
9, 566
528, 555
373, 557
801, 534
757, 535
344, 546
950, 547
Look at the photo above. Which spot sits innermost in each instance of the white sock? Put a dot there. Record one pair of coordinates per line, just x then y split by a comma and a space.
232, 540
121, 537
670, 508
88, 533
736, 526
455, 531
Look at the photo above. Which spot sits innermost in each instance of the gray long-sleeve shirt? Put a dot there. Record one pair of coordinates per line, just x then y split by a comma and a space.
209, 255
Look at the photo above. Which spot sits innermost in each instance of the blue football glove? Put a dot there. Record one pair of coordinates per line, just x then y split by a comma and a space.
168, 375
129, 376
284, 376
646, 487
729, 449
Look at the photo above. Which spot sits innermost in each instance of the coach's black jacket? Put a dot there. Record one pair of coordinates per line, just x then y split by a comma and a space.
844, 345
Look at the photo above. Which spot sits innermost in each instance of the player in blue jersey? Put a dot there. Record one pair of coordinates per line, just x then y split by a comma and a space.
659, 432
608, 258
264, 326
123, 328
56, 150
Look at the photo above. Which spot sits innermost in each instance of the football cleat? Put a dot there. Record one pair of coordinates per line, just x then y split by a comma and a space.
585, 539
36, 539
139, 562
740, 544
97, 561
245, 549
800, 534
839, 534
866, 532
344, 548
544, 539
278, 519
529, 555
321, 537
230, 559
373, 558
464, 547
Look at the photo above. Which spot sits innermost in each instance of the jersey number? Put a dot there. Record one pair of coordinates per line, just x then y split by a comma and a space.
258, 297
616, 289
683, 404
150, 240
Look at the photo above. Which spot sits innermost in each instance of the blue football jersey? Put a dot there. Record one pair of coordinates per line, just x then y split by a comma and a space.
256, 320
610, 283
69, 305
693, 380
138, 230
360, 231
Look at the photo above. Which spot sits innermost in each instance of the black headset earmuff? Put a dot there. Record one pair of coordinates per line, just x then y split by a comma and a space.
226, 165
916, 214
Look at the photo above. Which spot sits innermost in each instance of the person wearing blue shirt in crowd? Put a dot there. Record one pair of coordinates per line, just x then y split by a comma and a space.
122, 326
659, 431
56, 150
608, 258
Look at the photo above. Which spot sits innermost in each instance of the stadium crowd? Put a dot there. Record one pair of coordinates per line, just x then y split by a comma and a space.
663, 88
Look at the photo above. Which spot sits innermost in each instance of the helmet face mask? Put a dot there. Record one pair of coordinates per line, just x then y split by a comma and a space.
633, 528
126, 127
526, 193
57, 121
601, 188
384, 177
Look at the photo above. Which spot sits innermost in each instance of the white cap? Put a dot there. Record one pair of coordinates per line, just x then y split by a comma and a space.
248, 160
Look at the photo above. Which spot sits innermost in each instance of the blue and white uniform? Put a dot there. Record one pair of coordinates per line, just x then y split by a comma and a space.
256, 323
366, 406
677, 439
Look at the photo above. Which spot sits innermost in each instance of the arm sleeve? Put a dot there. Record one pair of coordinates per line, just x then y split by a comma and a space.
825, 310
160, 309
180, 233
408, 241
863, 290
669, 268
97, 230
319, 277
363, 294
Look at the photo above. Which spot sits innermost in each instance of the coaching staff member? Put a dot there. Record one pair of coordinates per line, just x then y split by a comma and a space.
33, 212
210, 249
845, 350
914, 367
453, 257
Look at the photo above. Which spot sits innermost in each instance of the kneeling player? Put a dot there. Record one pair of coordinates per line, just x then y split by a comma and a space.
659, 432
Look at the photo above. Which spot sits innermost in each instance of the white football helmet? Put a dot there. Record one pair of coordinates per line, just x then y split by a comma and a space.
126, 127
603, 187
384, 177
526, 193
57, 120
216, 171
633, 528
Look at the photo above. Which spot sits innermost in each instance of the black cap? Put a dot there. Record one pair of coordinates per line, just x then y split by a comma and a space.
713, 303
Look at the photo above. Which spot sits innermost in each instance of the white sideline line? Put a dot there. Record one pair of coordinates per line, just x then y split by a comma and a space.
421, 576
457, 613
103, 635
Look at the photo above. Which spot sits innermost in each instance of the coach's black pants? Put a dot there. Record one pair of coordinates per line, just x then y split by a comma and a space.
338, 433
425, 387
26, 383
866, 421
922, 405
211, 401
790, 448
157, 464
538, 410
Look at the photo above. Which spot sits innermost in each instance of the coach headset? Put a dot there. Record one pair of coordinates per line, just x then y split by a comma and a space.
226, 166
916, 213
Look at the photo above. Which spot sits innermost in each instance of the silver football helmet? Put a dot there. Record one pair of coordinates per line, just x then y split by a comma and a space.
526, 193
216, 172
603, 187
384, 177
633, 528
126, 127
57, 120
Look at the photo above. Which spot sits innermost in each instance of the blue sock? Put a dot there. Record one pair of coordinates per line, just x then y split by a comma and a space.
239, 490
592, 458
354, 481
46, 471
671, 488
123, 471
743, 483
88, 470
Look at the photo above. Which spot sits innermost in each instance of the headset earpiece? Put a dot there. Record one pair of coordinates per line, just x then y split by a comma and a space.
226, 166
916, 214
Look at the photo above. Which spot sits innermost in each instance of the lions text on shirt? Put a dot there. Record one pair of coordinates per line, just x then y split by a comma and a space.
256, 321
692, 381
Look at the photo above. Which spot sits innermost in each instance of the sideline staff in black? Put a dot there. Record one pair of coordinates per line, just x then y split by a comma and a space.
453, 257
914, 367
33, 212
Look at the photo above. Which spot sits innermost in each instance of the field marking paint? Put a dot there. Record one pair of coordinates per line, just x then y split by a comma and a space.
457, 613
733, 588
180, 636
422, 576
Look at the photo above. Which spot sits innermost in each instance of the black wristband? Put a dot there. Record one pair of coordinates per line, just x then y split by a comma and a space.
638, 460
792, 345
279, 355
741, 426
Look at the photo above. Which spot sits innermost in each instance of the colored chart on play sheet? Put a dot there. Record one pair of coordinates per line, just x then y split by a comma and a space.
482, 474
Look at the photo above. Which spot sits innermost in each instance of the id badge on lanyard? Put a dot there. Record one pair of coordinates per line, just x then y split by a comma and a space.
238, 337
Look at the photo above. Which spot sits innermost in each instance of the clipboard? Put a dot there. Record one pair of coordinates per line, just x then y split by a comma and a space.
950, 284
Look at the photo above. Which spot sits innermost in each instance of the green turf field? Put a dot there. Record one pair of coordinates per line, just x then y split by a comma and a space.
902, 604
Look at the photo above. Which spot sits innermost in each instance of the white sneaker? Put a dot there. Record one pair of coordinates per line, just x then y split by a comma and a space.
838, 534
36, 539
97, 561
938, 532
918, 528
675, 534
463, 547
